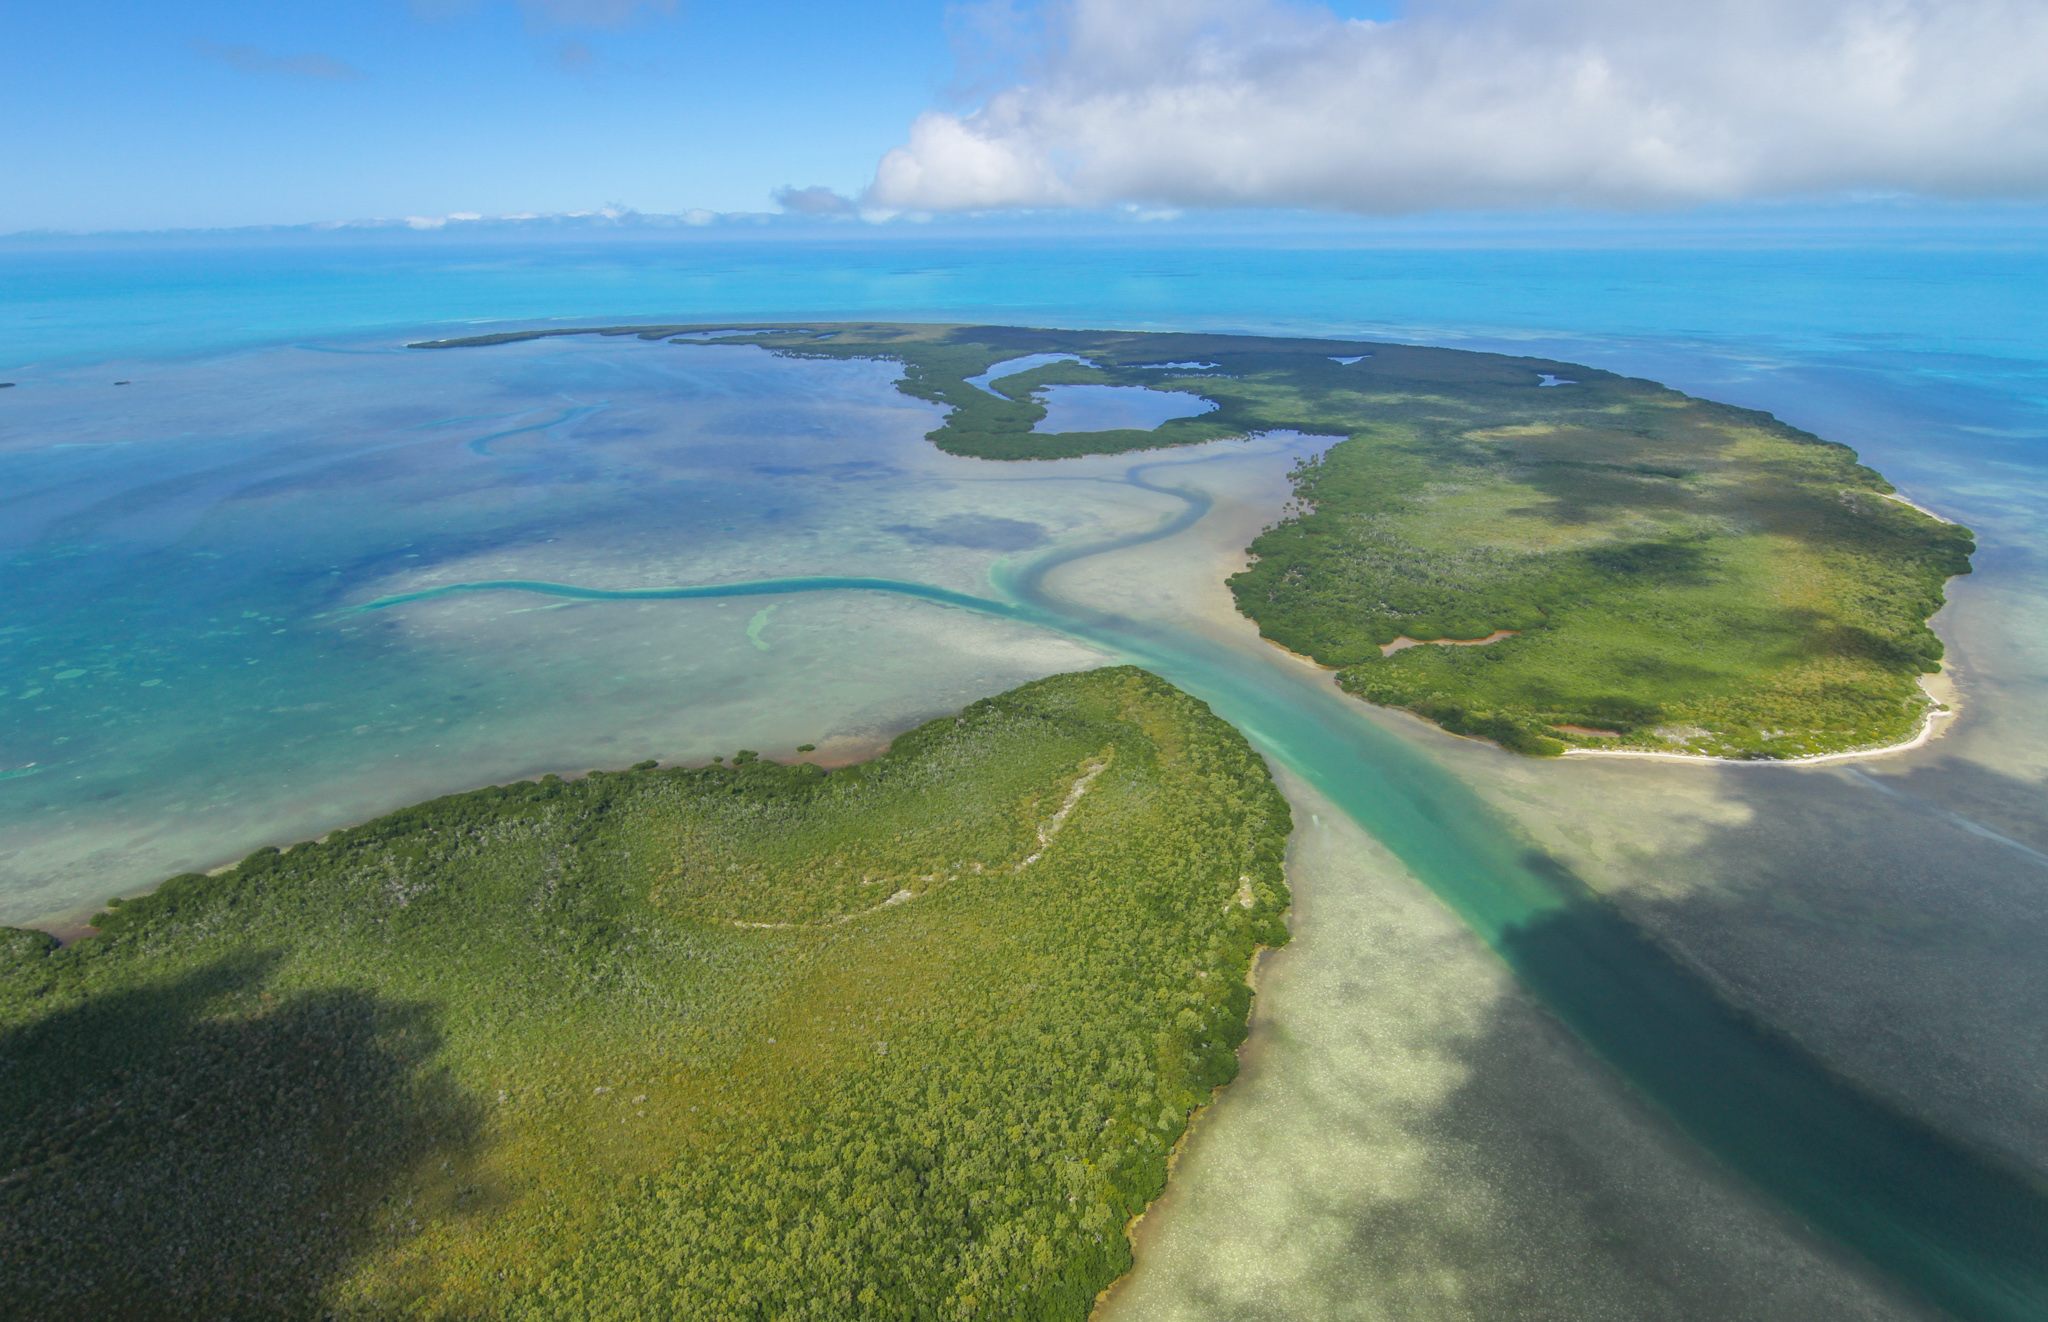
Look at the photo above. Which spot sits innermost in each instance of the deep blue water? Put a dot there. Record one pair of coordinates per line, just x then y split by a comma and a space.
1980, 312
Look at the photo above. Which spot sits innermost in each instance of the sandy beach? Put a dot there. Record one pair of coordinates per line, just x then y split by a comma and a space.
1943, 698
1943, 704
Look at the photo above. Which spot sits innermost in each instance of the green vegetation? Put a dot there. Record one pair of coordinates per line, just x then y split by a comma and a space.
1676, 575
938, 362
1670, 574
909, 1039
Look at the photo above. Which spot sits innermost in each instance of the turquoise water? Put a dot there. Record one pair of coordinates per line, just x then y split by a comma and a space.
182, 675
291, 573
1977, 311
765, 587
1968, 1233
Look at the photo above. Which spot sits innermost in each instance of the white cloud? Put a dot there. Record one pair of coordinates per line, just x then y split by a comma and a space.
1498, 103
952, 164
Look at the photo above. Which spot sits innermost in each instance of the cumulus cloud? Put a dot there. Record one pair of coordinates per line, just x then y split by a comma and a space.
1497, 103
254, 59
817, 200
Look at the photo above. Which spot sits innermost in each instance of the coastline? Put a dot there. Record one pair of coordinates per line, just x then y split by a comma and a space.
1134, 1228
70, 927
1944, 704
1143, 1222
1915, 505
359, 880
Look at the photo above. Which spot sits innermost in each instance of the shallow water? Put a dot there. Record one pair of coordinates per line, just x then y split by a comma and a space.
1882, 915
184, 674
1440, 1149
1113, 408
1017, 366
1889, 914
1969, 1234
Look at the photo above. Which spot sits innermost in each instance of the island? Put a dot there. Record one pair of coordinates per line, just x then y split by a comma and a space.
1545, 555
912, 1037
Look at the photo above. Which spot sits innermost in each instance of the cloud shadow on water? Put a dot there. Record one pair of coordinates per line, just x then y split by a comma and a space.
1889, 916
1419, 1139
1936, 1213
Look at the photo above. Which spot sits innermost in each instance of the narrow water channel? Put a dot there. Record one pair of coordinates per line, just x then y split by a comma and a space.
1966, 1233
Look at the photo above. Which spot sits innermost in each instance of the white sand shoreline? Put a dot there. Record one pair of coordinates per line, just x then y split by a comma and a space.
1942, 705
1915, 505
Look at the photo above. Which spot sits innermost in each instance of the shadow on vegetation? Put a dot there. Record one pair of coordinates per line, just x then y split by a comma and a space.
164, 1152
1668, 561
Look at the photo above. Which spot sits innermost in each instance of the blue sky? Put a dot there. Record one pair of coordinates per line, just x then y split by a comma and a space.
218, 112
129, 115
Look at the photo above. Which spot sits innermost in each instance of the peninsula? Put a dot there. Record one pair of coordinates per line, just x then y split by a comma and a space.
911, 1038
1633, 568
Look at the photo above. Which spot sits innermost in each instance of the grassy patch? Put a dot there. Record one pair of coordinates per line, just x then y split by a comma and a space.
910, 1038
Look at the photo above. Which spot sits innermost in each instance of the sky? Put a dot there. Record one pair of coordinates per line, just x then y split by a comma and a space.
123, 114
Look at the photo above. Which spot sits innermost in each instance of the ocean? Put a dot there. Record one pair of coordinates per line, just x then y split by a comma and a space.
214, 456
